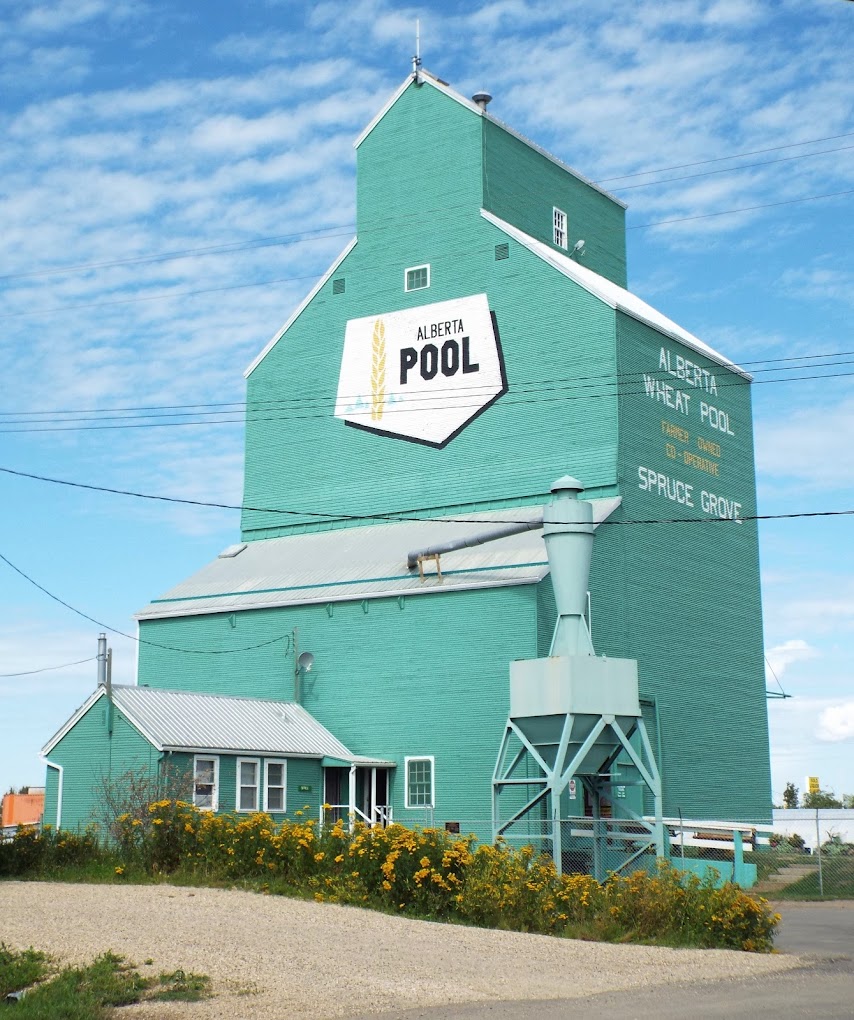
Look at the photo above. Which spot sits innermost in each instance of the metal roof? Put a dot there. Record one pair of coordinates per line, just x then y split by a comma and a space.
189, 721
361, 563
611, 293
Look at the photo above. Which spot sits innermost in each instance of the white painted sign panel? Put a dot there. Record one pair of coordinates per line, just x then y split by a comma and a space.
423, 373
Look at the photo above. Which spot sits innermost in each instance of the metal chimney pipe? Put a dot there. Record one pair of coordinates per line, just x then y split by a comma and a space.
102, 660
568, 532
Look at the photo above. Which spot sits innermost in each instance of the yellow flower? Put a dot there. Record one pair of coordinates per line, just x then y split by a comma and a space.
157, 821
120, 871
319, 857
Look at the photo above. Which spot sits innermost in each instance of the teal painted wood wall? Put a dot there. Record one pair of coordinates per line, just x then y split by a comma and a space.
299, 772
558, 340
522, 187
692, 590
431, 678
90, 758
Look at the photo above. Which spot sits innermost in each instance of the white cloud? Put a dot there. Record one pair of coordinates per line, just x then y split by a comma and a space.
836, 722
780, 657
810, 446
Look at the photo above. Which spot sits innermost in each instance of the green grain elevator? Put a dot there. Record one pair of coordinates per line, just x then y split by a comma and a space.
463, 352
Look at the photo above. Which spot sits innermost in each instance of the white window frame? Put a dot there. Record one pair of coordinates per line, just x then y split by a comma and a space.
214, 805
267, 763
257, 763
406, 763
413, 269
560, 229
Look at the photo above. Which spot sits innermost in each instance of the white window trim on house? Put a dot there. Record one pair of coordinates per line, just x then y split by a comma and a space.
284, 786
560, 234
214, 805
414, 269
239, 786
418, 758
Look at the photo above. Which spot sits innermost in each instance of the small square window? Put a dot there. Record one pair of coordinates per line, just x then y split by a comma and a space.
559, 223
502, 251
417, 278
419, 782
274, 785
339, 285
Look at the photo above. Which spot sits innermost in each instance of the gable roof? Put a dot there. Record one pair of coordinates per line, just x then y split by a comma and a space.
301, 307
426, 78
612, 293
190, 721
346, 564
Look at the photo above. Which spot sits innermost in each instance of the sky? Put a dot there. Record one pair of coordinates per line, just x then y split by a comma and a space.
175, 176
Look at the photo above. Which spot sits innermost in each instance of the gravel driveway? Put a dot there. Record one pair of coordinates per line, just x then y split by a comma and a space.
274, 957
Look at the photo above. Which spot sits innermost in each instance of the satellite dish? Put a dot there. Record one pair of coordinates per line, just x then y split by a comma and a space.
305, 662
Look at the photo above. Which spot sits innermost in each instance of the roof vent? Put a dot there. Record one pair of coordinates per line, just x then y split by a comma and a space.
483, 99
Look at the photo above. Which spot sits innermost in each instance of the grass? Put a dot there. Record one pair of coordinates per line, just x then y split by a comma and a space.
838, 882
19, 970
91, 992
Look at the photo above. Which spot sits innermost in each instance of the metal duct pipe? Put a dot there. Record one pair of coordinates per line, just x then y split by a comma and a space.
481, 538
568, 533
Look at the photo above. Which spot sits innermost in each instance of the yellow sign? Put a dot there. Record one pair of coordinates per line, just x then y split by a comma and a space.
812, 784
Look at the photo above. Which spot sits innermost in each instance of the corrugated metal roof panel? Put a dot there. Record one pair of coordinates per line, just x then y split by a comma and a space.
186, 721
363, 562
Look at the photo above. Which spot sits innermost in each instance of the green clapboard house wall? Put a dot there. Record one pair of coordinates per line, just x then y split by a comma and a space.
90, 759
594, 389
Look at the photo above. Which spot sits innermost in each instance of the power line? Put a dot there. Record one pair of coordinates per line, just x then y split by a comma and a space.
47, 669
400, 516
171, 295
747, 208
607, 390
300, 237
719, 159
240, 405
227, 248
731, 169
263, 644
133, 637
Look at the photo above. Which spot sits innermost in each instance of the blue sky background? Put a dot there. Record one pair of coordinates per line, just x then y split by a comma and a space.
133, 131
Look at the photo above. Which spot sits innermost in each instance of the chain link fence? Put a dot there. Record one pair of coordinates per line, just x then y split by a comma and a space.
801, 854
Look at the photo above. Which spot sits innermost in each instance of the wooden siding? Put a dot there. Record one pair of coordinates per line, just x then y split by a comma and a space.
90, 758
522, 186
428, 676
692, 612
558, 342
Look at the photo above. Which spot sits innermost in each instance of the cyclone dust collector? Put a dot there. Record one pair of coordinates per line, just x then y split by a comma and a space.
575, 735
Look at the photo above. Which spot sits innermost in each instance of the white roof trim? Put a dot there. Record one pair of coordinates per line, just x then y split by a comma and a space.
301, 307
458, 97
426, 79
84, 708
197, 608
72, 722
613, 295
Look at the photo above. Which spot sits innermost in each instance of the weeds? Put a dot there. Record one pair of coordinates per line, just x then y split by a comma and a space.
91, 992
20, 970
425, 873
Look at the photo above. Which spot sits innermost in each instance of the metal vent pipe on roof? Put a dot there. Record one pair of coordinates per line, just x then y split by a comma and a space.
483, 99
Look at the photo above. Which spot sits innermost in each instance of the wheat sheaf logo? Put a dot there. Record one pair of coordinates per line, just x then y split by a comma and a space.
378, 371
